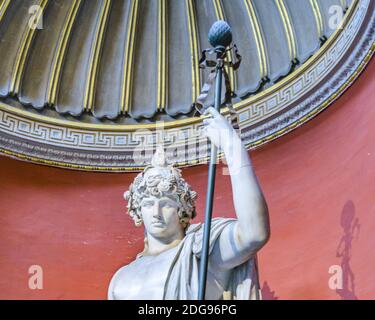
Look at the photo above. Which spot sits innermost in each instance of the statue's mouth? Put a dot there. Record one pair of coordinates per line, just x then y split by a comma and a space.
157, 223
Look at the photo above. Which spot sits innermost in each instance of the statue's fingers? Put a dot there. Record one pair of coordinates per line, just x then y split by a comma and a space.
211, 111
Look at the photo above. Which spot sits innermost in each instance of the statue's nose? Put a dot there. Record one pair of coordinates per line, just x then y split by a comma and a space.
157, 209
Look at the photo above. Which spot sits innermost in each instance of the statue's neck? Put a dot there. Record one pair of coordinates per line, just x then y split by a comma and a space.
156, 246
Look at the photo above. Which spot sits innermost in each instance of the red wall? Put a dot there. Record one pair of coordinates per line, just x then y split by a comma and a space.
319, 182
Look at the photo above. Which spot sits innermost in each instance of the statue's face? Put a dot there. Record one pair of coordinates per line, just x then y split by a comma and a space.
160, 218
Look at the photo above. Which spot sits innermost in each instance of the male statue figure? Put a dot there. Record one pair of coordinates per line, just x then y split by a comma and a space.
168, 267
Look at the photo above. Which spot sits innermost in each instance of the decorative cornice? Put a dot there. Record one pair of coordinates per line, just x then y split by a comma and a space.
263, 118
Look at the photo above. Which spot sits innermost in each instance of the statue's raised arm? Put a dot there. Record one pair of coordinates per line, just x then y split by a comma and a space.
243, 238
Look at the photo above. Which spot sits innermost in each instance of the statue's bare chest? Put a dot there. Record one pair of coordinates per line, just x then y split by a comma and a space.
145, 277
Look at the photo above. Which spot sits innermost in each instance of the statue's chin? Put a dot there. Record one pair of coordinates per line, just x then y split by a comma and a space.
158, 231
163, 232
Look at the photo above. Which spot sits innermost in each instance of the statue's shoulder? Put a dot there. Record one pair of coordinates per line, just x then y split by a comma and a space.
215, 223
123, 275
195, 232
119, 273
124, 271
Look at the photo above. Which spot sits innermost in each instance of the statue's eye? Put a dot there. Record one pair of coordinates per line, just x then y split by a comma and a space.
168, 204
147, 204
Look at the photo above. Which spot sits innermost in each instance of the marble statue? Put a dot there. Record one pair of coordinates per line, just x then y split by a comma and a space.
161, 200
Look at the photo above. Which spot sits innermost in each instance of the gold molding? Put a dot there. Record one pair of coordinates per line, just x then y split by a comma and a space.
318, 17
288, 29
3, 8
194, 48
23, 52
162, 55
96, 50
128, 67
61, 50
188, 121
259, 40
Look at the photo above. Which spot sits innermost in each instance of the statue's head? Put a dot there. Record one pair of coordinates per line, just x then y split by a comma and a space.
160, 198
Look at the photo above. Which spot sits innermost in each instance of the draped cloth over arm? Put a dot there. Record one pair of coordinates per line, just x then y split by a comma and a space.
183, 275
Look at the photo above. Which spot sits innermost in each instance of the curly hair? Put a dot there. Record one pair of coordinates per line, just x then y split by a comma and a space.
166, 181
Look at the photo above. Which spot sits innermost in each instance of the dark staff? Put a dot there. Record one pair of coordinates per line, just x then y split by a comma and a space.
220, 37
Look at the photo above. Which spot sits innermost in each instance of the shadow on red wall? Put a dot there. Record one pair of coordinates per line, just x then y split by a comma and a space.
350, 225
